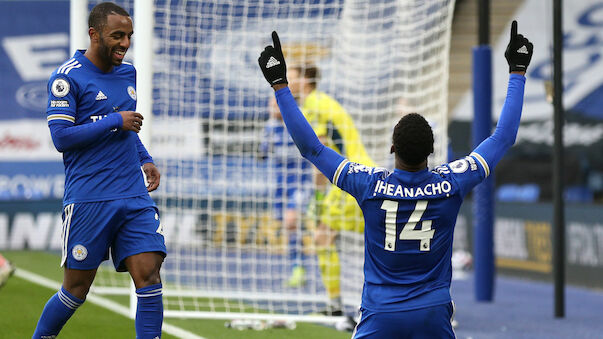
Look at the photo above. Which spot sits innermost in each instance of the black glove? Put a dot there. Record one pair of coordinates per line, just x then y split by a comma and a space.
519, 51
272, 63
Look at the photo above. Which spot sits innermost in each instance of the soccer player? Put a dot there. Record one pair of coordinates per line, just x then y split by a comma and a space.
409, 212
92, 120
335, 210
292, 176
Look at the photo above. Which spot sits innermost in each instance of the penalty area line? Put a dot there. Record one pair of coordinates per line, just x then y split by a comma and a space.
102, 302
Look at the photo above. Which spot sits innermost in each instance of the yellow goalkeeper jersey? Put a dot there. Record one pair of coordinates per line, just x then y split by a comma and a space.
330, 121
336, 129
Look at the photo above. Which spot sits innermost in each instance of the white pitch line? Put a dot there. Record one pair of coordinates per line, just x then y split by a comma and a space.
103, 302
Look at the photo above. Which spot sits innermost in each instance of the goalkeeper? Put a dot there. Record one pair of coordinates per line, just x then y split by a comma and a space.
334, 209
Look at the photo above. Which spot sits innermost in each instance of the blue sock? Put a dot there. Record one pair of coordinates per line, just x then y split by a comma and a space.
59, 308
149, 313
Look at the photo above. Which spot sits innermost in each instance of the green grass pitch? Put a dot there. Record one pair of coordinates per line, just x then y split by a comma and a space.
21, 303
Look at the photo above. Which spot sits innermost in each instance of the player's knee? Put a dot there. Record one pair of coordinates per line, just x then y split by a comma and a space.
78, 282
144, 268
146, 276
78, 289
148, 279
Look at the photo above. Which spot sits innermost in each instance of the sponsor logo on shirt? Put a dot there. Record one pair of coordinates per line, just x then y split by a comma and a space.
100, 96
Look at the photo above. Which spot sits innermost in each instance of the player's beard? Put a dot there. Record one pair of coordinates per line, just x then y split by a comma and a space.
106, 53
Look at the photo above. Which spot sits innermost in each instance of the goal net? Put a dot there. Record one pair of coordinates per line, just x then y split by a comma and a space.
229, 250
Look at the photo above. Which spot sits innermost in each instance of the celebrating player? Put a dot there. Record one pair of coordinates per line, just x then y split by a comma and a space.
92, 120
410, 212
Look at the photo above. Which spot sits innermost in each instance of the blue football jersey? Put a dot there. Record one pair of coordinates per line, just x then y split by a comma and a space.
108, 168
409, 218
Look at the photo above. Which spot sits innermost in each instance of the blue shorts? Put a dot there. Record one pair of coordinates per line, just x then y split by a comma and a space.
125, 226
424, 323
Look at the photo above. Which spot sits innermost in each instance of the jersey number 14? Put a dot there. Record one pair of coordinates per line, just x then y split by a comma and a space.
425, 234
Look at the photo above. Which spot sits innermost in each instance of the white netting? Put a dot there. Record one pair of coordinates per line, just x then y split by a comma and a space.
379, 59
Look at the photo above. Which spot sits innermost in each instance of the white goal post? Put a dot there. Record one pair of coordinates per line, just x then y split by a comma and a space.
199, 81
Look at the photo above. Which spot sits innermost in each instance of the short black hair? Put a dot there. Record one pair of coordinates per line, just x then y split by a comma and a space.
413, 139
98, 15
309, 72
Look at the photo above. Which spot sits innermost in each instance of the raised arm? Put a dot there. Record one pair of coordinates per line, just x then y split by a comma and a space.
272, 63
518, 54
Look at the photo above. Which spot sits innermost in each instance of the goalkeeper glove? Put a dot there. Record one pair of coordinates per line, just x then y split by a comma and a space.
272, 63
519, 51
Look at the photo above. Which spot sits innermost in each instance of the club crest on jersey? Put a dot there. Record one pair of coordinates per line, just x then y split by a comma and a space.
132, 92
79, 252
59, 87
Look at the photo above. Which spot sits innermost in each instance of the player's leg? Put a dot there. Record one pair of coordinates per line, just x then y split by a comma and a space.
340, 212
86, 237
144, 269
296, 256
78, 282
286, 223
61, 306
139, 248
329, 266
344, 214
297, 200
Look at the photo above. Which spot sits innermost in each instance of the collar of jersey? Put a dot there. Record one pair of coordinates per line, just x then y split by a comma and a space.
407, 176
311, 99
79, 55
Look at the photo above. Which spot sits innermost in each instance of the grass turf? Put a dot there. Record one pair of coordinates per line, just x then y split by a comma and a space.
21, 303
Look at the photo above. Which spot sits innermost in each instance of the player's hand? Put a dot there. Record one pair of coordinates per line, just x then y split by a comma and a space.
132, 121
272, 63
152, 173
519, 51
